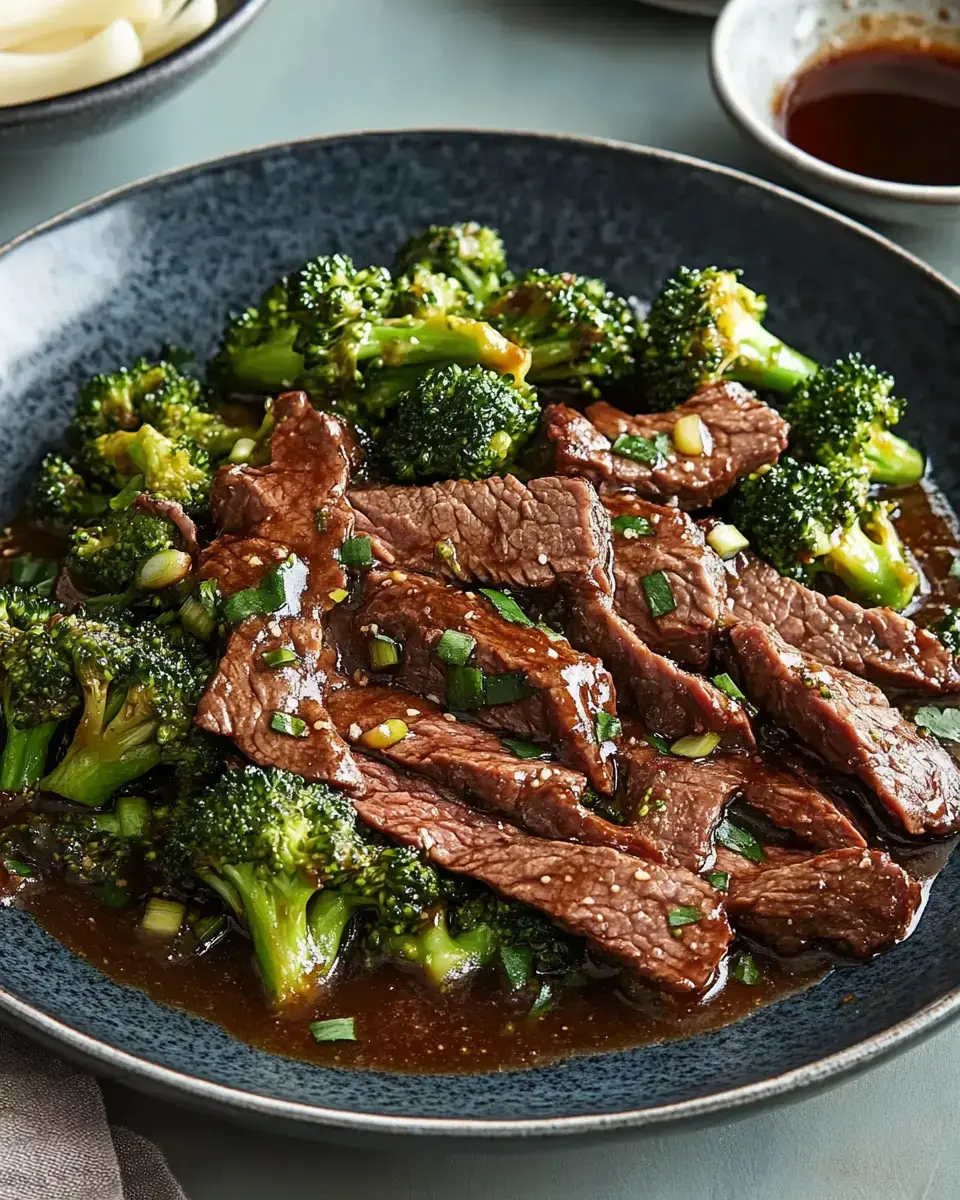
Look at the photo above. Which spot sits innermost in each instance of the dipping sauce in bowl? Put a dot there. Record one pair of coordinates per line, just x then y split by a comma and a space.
888, 110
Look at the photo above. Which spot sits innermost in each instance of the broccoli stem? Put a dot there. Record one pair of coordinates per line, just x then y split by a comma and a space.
272, 364
870, 562
407, 341
329, 917
275, 911
443, 957
763, 361
25, 755
893, 460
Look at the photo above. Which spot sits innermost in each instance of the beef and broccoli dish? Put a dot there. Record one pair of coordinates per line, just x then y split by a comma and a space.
469, 666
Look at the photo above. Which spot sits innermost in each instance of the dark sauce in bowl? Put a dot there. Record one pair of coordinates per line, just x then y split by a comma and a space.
887, 110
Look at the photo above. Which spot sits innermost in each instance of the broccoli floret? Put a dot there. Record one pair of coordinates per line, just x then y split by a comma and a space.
106, 557
37, 689
845, 411
470, 253
140, 692
426, 293
805, 518
459, 423
268, 843
328, 294
705, 325
60, 495
947, 630
256, 351
575, 327
173, 469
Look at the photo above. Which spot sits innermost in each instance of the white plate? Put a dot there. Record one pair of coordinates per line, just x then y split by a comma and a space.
700, 8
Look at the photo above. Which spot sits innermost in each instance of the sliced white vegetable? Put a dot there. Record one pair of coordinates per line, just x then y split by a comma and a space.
726, 540
192, 21
53, 43
25, 20
691, 436
112, 52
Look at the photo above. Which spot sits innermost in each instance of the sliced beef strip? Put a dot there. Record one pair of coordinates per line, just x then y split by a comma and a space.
621, 906
695, 574
265, 514
667, 699
492, 531
852, 726
877, 643
746, 434
858, 898
569, 688
794, 803
676, 803
245, 693
541, 796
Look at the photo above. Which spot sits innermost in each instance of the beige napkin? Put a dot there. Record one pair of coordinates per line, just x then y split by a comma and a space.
55, 1143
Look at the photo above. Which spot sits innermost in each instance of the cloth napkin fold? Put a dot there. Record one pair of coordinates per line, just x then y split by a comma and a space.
55, 1143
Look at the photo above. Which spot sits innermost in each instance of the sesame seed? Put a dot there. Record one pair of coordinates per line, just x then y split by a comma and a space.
255, 560
545, 773
551, 653
354, 732
432, 698
568, 879
542, 560
589, 900
321, 725
448, 716
535, 782
544, 878
614, 887
641, 874
274, 629
470, 616
413, 712
399, 577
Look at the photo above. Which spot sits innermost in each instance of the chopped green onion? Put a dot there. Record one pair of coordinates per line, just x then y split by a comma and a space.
162, 917
321, 519
659, 594
334, 1029
107, 822
195, 618
684, 915
506, 688
506, 606
386, 734
164, 569
282, 722
632, 527
338, 595
112, 895
464, 688
739, 841
726, 540
518, 965
270, 594
356, 552
543, 1002
13, 866
554, 635
242, 449
28, 571
384, 652
607, 727
455, 648
695, 745
208, 930
124, 498
133, 816
652, 452
728, 687
658, 742
208, 595
525, 749
279, 657
447, 551
718, 879
745, 970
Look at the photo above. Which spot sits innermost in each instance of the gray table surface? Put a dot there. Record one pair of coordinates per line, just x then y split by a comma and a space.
595, 67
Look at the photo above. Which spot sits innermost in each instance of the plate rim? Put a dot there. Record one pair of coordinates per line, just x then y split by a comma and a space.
228, 1100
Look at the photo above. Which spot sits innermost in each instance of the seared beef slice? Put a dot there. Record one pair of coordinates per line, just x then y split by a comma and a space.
569, 689
877, 643
496, 531
266, 514
620, 905
858, 898
745, 435
675, 546
852, 726
543, 797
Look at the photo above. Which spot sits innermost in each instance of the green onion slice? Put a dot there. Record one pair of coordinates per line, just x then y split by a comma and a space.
684, 915
384, 652
658, 742
356, 552
745, 970
659, 594
464, 688
695, 745
632, 527
334, 1029
607, 726
279, 657
719, 880
543, 1002
276, 590
131, 490
133, 816
524, 749
518, 965
14, 866
506, 606
162, 917
292, 726
728, 687
506, 688
737, 839
455, 648
652, 452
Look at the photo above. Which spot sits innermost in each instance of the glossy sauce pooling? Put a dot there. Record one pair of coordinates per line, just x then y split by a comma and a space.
890, 110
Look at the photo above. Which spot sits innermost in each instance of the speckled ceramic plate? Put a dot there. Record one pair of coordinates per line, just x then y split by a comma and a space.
696, 8
164, 260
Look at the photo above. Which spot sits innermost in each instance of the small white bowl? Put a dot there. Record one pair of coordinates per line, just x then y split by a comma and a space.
759, 44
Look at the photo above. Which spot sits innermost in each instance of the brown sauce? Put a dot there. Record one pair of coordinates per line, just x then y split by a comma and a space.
400, 1024
887, 110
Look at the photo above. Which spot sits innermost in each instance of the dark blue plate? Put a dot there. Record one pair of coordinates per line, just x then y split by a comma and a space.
165, 260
